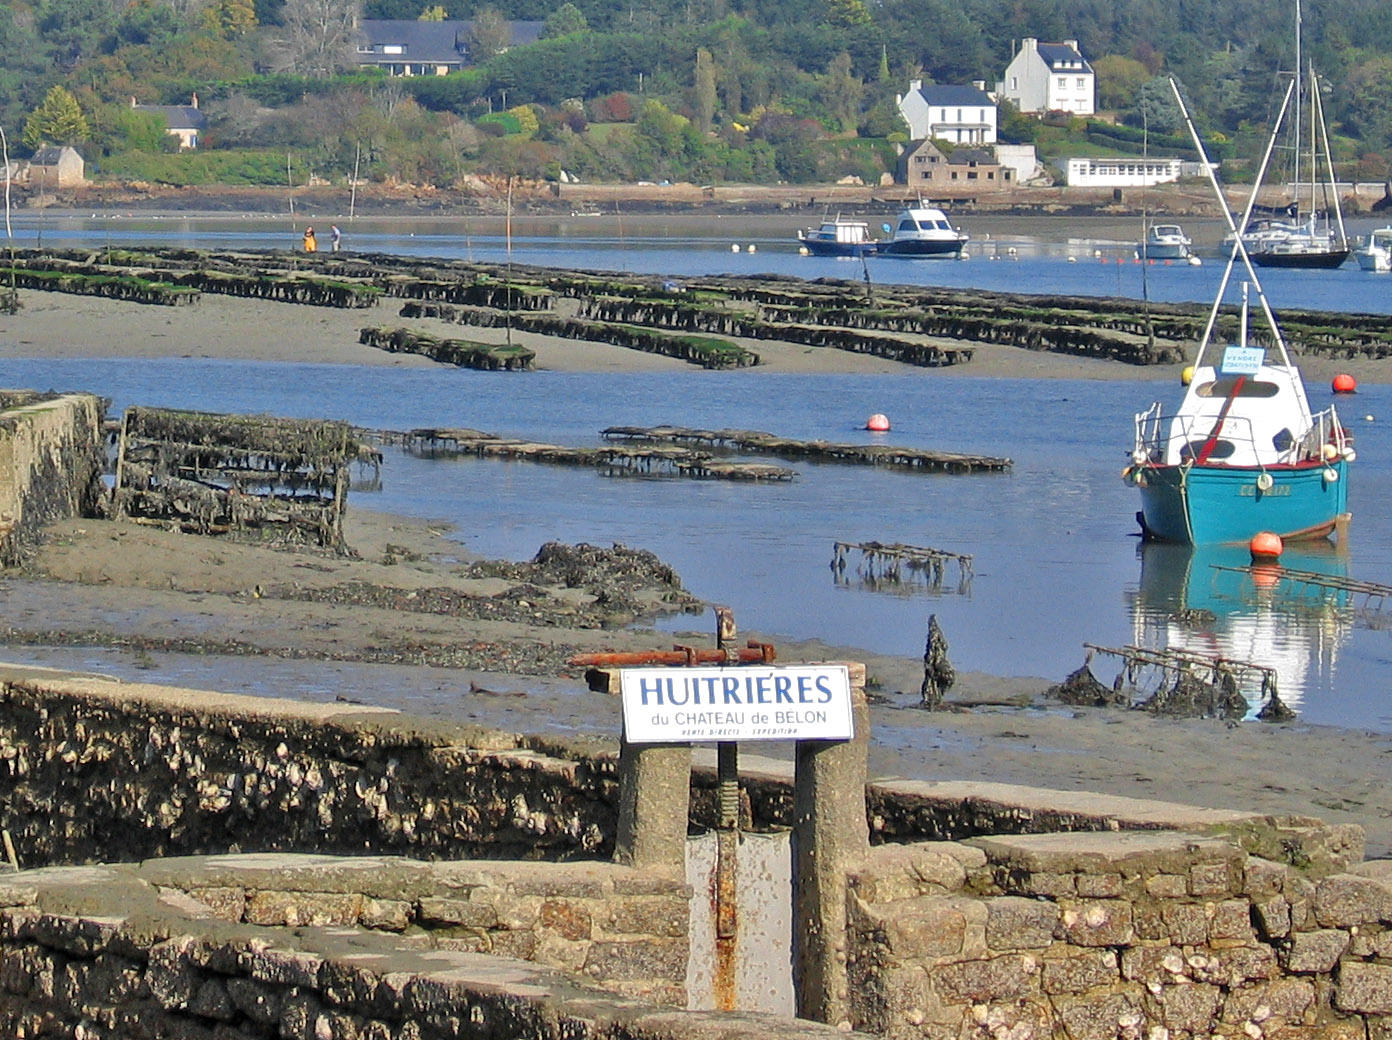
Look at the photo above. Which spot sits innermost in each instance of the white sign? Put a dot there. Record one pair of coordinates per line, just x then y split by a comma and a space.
1242, 361
740, 702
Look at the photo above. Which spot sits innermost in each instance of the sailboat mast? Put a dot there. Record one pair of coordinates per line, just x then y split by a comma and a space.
1299, 111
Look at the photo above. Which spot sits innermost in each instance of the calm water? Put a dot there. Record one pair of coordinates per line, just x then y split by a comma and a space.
1056, 560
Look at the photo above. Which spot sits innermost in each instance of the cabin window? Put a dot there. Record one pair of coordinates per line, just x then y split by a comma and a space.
908, 225
1283, 440
1224, 387
1222, 449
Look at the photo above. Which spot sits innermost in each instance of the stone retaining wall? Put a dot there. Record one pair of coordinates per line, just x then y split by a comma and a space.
1099, 936
89, 953
50, 463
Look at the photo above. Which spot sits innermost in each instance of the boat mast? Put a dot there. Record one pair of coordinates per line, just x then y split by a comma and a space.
1299, 115
1239, 247
1329, 161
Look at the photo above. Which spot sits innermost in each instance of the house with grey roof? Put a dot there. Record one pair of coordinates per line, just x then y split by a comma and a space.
407, 47
186, 122
1049, 77
951, 112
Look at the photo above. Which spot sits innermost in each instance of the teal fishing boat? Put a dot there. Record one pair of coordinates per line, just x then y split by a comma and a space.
1243, 453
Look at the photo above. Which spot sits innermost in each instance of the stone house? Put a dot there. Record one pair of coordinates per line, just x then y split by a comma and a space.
55, 166
925, 165
407, 47
1049, 77
949, 112
186, 122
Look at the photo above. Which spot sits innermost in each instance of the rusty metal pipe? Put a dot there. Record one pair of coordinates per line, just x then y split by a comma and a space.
754, 653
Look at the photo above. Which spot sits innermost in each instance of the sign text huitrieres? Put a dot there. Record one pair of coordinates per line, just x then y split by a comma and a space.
789, 702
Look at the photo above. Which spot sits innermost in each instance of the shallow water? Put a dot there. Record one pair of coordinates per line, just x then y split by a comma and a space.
1055, 558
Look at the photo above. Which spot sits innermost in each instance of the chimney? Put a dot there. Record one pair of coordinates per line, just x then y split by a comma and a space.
915, 84
1030, 43
1071, 43
194, 102
979, 84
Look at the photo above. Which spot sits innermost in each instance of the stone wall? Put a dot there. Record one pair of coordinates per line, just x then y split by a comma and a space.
93, 770
1106, 935
89, 953
50, 463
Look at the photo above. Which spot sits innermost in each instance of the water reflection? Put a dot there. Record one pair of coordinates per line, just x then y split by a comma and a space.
1203, 600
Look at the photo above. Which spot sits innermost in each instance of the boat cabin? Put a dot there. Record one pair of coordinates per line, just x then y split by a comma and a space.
1243, 420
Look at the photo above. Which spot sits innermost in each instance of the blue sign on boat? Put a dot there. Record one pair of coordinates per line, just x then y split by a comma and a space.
1242, 361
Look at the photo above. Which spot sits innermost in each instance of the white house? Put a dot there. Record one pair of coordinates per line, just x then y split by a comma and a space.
1123, 172
960, 114
185, 122
1049, 77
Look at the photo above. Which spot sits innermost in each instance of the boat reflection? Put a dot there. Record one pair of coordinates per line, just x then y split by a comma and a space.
1199, 599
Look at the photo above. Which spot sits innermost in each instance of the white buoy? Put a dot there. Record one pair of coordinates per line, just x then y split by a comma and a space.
734, 247
752, 248
1072, 259
1194, 261
803, 251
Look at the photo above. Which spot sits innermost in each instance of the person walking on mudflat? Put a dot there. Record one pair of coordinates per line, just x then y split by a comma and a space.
335, 237
310, 242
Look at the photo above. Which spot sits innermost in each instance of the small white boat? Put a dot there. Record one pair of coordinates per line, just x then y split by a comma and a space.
922, 231
838, 238
1375, 254
1164, 242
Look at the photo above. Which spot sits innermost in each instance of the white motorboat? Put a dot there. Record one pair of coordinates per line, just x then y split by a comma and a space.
922, 231
838, 238
1164, 242
1375, 254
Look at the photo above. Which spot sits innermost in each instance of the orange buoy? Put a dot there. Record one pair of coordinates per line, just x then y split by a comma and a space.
1345, 383
1265, 546
877, 422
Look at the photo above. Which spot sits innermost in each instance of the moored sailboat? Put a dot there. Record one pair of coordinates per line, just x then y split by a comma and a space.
1243, 453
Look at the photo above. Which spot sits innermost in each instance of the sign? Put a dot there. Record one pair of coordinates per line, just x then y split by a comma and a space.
1242, 361
742, 702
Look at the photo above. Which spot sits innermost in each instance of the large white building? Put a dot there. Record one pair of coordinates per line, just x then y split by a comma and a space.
1049, 77
947, 112
1123, 172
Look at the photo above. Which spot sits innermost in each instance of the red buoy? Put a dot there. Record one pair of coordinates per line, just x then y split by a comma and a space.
877, 422
1345, 383
1265, 546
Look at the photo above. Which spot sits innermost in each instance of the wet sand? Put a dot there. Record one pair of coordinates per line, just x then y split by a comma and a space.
163, 603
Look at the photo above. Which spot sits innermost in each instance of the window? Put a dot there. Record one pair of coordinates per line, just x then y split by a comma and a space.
1082, 83
1014, 83
393, 48
959, 115
1063, 83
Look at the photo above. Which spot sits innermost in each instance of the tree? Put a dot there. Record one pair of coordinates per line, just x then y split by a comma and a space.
230, 19
433, 14
57, 120
1119, 80
491, 34
315, 37
563, 21
704, 89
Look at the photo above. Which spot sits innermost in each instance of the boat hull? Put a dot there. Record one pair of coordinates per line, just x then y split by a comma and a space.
1162, 251
1374, 261
1212, 505
1320, 260
922, 247
820, 247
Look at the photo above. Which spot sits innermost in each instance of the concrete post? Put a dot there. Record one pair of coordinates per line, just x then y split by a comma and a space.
654, 802
831, 836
